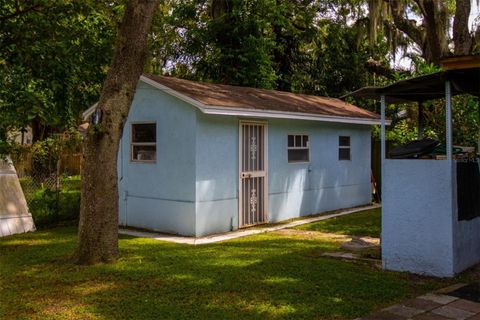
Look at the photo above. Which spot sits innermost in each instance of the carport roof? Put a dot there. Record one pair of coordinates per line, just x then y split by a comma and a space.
428, 87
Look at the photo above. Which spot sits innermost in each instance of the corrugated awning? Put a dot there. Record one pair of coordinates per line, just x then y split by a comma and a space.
428, 87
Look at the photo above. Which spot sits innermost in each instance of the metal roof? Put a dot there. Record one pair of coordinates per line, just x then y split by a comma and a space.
427, 87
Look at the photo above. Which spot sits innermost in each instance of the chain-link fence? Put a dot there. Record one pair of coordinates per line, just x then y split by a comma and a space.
51, 187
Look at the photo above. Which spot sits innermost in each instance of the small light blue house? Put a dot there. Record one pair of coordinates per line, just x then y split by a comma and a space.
197, 159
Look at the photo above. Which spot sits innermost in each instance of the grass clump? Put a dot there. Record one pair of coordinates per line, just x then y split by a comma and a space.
364, 223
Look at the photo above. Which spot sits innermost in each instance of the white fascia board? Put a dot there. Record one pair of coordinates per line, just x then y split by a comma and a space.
172, 92
287, 115
245, 112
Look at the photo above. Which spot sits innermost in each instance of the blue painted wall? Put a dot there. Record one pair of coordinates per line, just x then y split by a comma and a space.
417, 232
325, 183
192, 189
295, 189
420, 228
160, 196
216, 174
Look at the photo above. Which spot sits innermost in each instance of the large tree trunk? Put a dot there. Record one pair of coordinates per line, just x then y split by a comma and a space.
98, 227
462, 39
436, 28
432, 35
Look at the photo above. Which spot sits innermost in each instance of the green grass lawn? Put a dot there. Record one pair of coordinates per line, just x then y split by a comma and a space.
269, 276
364, 223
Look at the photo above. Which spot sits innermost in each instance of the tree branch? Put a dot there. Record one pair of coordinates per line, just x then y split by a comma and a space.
377, 68
405, 25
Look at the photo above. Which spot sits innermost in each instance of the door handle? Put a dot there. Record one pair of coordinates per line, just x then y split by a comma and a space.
246, 175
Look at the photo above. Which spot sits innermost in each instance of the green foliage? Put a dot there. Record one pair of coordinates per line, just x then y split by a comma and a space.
53, 207
402, 132
465, 117
10, 149
54, 56
233, 45
338, 62
47, 153
286, 45
50, 208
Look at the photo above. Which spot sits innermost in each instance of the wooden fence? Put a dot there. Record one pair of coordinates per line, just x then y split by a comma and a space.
69, 164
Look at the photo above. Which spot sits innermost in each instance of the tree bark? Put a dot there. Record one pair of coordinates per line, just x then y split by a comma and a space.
377, 68
436, 25
431, 37
98, 226
405, 25
462, 39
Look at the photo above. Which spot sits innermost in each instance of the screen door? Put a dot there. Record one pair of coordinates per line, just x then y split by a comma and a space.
253, 173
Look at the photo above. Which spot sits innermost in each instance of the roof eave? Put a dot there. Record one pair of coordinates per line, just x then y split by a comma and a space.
243, 112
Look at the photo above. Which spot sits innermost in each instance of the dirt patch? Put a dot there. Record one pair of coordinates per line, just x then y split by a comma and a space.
313, 234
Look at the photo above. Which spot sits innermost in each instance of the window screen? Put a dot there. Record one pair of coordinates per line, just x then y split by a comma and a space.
298, 148
344, 148
144, 142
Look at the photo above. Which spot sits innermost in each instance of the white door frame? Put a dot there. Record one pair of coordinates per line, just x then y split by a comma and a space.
241, 174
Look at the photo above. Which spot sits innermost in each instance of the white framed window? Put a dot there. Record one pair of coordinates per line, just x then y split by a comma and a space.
298, 148
344, 150
144, 142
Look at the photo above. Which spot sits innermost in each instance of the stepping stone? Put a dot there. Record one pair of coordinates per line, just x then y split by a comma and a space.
454, 313
422, 304
382, 315
358, 244
438, 298
403, 311
466, 305
430, 316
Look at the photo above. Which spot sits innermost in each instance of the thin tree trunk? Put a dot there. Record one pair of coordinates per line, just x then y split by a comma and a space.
98, 227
